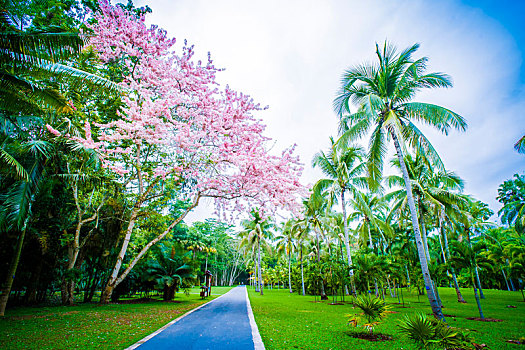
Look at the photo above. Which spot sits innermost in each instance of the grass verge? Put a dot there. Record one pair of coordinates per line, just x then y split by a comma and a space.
291, 321
92, 326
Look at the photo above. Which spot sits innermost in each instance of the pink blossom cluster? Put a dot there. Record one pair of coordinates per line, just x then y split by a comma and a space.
200, 132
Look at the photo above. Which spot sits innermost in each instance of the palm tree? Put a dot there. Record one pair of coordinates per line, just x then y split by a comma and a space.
285, 243
366, 208
470, 220
343, 176
171, 271
301, 231
520, 145
256, 233
17, 201
466, 256
434, 191
32, 64
315, 212
383, 92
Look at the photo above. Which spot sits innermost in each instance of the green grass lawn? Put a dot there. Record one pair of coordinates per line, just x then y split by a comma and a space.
92, 326
290, 321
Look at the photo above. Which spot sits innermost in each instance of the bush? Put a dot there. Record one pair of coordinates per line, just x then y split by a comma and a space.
434, 334
373, 311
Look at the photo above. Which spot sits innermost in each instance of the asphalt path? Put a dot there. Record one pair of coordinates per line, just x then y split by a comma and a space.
221, 324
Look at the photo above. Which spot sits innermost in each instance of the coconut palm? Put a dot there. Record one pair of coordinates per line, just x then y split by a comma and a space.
467, 256
434, 190
256, 233
301, 231
315, 213
471, 220
520, 145
285, 243
366, 208
344, 175
383, 94
512, 195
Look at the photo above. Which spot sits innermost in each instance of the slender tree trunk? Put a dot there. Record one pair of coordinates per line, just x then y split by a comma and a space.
389, 288
6, 289
289, 272
69, 283
452, 270
477, 299
347, 244
323, 294
436, 309
302, 273
114, 279
260, 267
408, 277
482, 296
256, 276
111, 284
427, 251
369, 233
505, 278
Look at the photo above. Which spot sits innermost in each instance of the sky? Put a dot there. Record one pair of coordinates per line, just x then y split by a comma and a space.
290, 55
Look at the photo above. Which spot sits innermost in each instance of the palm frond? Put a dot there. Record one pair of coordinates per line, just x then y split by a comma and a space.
23, 48
439, 117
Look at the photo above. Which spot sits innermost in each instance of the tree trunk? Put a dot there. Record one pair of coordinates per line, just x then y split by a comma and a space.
256, 275
505, 278
111, 284
477, 299
323, 294
302, 274
290, 272
436, 309
427, 252
347, 244
115, 279
452, 271
6, 289
408, 277
260, 267
482, 296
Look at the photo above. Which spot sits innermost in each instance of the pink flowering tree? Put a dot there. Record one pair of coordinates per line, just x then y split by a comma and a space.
178, 125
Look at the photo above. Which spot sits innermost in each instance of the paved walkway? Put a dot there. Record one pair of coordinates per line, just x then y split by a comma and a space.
224, 323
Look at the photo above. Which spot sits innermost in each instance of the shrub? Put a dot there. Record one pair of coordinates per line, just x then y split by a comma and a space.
373, 311
434, 334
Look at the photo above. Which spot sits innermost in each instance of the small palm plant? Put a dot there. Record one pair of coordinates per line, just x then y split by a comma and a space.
373, 311
430, 333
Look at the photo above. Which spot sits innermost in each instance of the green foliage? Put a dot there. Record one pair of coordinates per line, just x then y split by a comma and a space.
511, 194
434, 334
373, 310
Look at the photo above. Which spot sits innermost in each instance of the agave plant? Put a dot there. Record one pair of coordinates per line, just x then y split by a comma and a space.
373, 311
430, 333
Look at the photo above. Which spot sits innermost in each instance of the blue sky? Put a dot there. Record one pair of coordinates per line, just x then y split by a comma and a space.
290, 55
509, 13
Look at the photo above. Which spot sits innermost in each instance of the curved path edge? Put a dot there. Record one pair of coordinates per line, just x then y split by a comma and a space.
257, 340
148, 337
